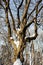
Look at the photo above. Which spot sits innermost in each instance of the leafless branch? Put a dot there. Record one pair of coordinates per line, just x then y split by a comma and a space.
24, 17
2, 6
34, 8
26, 9
9, 28
18, 16
21, 32
15, 3
40, 9
35, 35
13, 20
33, 19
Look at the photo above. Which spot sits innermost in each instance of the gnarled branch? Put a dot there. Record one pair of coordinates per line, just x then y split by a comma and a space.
32, 19
35, 35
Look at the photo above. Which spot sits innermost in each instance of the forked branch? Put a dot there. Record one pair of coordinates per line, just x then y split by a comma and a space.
18, 16
13, 21
34, 8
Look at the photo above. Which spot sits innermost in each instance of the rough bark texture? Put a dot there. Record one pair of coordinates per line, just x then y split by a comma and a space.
21, 33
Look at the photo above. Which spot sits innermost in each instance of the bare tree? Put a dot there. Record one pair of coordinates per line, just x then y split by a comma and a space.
22, 25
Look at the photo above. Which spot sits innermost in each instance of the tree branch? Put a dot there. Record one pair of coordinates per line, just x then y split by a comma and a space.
15, 4
2, 6
26, 9
34, 8
32, 19
18, 16
24, 18
33, 37
20, 4
7, 20
12, 19
40, 9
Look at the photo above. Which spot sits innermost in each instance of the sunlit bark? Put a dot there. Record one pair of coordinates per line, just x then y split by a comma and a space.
21, 33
